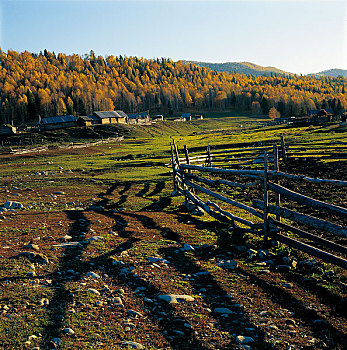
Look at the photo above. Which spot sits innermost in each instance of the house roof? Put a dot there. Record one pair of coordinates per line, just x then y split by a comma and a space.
58, 119
138, 115
107, 114
88, 118
185, 115
122, 114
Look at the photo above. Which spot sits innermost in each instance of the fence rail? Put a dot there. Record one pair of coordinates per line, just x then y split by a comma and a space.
190, 179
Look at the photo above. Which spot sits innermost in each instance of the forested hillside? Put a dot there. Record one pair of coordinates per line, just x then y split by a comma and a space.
241, 68
47, 84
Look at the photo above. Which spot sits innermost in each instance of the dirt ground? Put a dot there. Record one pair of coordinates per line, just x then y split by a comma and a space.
138, 252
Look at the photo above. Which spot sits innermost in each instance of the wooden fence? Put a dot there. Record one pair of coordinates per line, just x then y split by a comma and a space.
191, 180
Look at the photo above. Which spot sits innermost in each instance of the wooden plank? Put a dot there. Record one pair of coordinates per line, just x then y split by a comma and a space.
266, 199
283, 146
304, 219
229, 215
208, 158
223, 171
173, 169
275, 174
187, 155
239, 149
314, 203
196, 200
330, 258
222, 182
277, 169
225, 199
322, 241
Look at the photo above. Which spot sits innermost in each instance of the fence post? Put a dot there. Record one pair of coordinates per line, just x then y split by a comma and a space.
277, 169
283, 145
173, 169
208, 160
187, 156
266, 199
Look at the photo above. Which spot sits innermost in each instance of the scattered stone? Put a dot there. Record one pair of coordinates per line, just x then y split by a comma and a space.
134, 313
93, 291
228, 264
223, 310
187, 248
72, 245
252, 253
290, 321
117, 301
56, 341
132, 344
262, 254
202, 273
94, 238
240, 339
68, 331
92, 275
13, 205
155, 259
283, 268
65, 238
44, 302
33, 257
174, 298
32, 246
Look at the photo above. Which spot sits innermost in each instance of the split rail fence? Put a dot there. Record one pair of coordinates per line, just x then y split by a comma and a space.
261, 217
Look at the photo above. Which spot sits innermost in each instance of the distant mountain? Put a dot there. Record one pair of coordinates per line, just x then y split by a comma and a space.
331, 73
240, 67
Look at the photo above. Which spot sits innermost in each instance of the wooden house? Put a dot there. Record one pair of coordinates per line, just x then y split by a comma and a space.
111, 117
7, 130
139, 118
87, 120
59, 122
186, 116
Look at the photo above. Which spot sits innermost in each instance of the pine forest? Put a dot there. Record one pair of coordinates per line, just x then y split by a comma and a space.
46, 84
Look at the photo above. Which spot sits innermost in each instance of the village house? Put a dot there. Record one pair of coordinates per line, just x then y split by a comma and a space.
186, 116
111, 117
87, 120
139, 118
6, 130
59, 122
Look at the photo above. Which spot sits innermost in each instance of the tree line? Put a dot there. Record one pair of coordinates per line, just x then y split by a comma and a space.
45, 84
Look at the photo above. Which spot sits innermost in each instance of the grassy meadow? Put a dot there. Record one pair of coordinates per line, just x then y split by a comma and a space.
113, 202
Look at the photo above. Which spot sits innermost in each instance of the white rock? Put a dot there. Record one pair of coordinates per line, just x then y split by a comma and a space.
240, 339
94, 238
57, 341
228, 264
155, 259
174, 298
12, 205
68, 331
132, 344
92, 275
187, 248
134, 313
93, 291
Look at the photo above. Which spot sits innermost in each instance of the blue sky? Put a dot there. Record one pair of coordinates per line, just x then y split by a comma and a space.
296, 36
